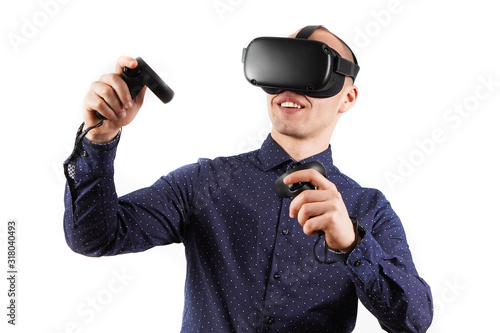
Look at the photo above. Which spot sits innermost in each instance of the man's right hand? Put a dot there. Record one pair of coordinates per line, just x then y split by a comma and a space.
110, 97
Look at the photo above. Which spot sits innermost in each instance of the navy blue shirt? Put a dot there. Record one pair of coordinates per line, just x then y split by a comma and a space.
250, 267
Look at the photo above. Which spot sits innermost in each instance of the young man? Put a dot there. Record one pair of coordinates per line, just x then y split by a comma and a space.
250, 264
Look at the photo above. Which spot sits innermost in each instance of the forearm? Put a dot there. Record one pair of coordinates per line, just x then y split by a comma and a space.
97, 222
90, 219
390, 288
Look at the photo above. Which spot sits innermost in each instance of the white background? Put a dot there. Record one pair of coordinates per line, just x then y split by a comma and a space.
421, 61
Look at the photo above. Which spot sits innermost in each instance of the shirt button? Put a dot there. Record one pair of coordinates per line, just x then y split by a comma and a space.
276, 276
270, 320
357, 263
285, 232
292, 166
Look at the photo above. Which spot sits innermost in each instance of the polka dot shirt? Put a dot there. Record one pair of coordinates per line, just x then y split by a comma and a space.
250, 267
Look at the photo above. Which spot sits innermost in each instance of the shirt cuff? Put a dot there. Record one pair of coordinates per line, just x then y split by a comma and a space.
90, 157
363, 262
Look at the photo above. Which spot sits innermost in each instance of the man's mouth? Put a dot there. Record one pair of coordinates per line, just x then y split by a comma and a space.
291, 105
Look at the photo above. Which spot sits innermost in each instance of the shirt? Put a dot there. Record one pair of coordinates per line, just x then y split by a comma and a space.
250, 267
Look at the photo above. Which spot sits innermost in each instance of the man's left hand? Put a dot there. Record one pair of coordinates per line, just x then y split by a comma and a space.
322, 209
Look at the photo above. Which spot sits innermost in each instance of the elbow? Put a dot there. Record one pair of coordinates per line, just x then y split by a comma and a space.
85, 245
414, 316
424, 320
423, 313
421, 318
83, 249
82, 241
416, 323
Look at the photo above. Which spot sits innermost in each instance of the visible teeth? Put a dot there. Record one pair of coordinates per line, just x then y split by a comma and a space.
291, 105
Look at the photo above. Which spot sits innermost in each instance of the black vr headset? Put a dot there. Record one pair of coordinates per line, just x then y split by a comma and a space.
297, 64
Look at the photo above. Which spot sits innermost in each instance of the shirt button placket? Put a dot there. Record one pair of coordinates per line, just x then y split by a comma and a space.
274, 292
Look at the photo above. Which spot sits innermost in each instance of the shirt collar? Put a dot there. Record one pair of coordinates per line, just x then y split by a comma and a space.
272, 155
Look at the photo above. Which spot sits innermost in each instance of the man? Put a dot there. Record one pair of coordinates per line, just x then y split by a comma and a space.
249, 261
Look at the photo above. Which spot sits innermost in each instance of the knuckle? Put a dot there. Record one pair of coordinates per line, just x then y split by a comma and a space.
307, 208
302, 216
334, 206
308, 228
95, 85
104, 77
307, 195
105, 91
114, 78
99, 105
110, 79
331, 216
335, 195
101, 88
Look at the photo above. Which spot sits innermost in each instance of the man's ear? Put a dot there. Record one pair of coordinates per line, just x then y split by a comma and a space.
350, 97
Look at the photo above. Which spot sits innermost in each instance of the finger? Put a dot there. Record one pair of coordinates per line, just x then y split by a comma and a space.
106, 88
341, 240
312, 225
120, 89
310, 210
125, 61
304, 197
309, 175
94, 102
140, 96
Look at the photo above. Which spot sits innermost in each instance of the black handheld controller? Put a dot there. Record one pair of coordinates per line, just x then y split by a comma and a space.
290, 191
142, 75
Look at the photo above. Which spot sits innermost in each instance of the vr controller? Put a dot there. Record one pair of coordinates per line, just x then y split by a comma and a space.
290, 191
142, 75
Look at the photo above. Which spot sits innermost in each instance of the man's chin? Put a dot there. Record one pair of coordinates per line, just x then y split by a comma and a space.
289, 132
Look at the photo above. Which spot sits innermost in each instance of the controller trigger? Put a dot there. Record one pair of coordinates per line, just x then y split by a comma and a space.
296, 186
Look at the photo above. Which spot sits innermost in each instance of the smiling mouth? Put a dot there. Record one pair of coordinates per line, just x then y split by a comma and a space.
291, 105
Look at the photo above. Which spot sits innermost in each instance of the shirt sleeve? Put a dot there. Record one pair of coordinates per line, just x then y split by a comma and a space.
97, 222
385, 277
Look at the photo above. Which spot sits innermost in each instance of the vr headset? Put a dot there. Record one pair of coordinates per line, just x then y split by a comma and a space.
297, 64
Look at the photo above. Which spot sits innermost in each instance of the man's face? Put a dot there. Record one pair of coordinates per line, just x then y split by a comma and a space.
303, 117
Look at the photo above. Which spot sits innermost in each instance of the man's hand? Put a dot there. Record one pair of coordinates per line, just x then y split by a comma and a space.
322, 209
110, 97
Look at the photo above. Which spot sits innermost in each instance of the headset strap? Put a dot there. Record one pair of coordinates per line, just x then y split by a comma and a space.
343, 66
307, 31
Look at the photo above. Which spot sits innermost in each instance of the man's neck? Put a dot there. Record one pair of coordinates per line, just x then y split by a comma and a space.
300, 148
